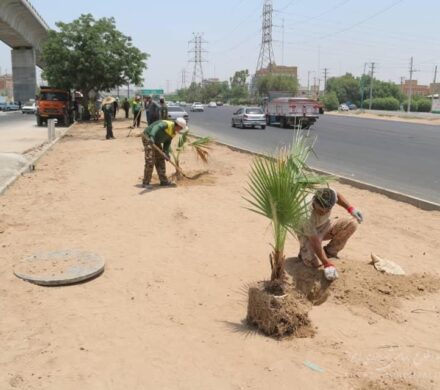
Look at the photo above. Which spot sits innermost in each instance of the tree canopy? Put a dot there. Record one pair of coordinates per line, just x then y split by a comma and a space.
89, 54
276, 82
348, 88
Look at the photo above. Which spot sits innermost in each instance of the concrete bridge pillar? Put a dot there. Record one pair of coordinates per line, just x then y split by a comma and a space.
24, 73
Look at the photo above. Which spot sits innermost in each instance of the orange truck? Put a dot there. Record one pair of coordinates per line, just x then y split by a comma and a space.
54, 103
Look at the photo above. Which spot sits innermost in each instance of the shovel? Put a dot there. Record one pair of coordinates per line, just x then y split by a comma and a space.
169, 160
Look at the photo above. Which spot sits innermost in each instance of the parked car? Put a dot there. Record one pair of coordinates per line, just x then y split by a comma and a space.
197, 106
175, 112
183, 103
212, 104
249, 117
2, 106
11, 107
219, 103
29, 108
343, 107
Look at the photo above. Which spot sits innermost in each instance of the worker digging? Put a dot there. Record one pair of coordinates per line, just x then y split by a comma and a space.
318, 228
156, 139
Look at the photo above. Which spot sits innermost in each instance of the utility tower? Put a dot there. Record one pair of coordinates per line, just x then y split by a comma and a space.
411, 72
325, 71
197, 58
266, 57
371, 84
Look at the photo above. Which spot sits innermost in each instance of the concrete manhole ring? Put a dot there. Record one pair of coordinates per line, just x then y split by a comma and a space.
59, 267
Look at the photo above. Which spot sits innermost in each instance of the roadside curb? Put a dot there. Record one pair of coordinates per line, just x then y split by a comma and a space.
394, 195
30, 165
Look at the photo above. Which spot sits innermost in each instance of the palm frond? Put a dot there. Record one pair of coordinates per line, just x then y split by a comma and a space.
202, 146
279, 186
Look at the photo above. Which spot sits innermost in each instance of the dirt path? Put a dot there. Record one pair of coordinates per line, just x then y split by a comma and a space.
168, 311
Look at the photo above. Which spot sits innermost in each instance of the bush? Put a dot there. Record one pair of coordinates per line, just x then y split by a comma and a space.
424, 105
388, 104
414, 105
330, 100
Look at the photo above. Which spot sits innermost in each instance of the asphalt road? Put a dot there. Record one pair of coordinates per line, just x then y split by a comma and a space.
400, 156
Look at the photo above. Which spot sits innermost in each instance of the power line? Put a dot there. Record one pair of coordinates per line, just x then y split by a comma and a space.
266, 57
383, 10
197, 49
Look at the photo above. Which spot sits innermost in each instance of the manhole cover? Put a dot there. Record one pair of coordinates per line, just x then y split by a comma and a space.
59, 267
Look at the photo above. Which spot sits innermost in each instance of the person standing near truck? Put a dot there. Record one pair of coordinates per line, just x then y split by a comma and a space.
107, 108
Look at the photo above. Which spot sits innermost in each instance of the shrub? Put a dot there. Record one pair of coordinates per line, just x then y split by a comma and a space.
388, 103
424, 105
330, 100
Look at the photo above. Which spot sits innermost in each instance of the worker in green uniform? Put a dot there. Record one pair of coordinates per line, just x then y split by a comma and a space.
159, 133
136, 108
163, 109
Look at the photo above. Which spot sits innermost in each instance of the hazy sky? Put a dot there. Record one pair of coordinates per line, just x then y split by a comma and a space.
340, 35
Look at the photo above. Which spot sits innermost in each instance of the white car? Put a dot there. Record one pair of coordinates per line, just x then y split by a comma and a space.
29, 108
212, 104
344, 107
196, 106
175, 112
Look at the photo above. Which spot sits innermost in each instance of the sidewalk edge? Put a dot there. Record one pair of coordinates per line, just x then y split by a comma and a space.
30, 165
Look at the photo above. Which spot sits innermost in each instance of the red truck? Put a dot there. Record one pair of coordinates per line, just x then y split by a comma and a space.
54, 103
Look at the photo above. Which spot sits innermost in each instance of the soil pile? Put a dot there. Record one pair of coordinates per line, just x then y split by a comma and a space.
360, 284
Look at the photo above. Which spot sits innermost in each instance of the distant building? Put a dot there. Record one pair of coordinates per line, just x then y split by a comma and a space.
278, 69
210, 81
416, 89
7, 86
434, 88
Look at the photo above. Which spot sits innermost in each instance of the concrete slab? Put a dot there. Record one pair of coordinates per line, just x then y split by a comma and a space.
60, 267
11, 164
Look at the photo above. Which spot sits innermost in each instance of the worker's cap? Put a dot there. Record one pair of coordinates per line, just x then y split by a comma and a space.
181, 122
138, 97
325, 197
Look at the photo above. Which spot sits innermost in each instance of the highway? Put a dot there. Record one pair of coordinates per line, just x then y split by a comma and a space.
403, 157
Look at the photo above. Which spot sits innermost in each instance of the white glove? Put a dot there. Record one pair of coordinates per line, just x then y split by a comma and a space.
331, 273
357, 214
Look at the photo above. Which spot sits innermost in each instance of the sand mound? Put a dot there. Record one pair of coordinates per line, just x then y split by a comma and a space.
278, 316
360, 284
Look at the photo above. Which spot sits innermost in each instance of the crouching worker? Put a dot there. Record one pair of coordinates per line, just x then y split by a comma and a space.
159, 133
318, 228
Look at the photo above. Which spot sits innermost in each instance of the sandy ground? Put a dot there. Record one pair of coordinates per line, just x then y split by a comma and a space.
387, 117
168, 311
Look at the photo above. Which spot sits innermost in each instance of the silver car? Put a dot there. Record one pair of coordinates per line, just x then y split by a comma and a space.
175, 112
249, 117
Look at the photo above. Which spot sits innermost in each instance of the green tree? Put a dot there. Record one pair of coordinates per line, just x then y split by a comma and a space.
276, 82
330, 100
239, 85
346, 88
89, 54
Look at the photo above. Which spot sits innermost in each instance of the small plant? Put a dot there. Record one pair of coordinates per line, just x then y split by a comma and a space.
278, 189
201, 147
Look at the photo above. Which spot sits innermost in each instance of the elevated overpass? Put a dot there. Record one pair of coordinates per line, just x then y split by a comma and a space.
24, 30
